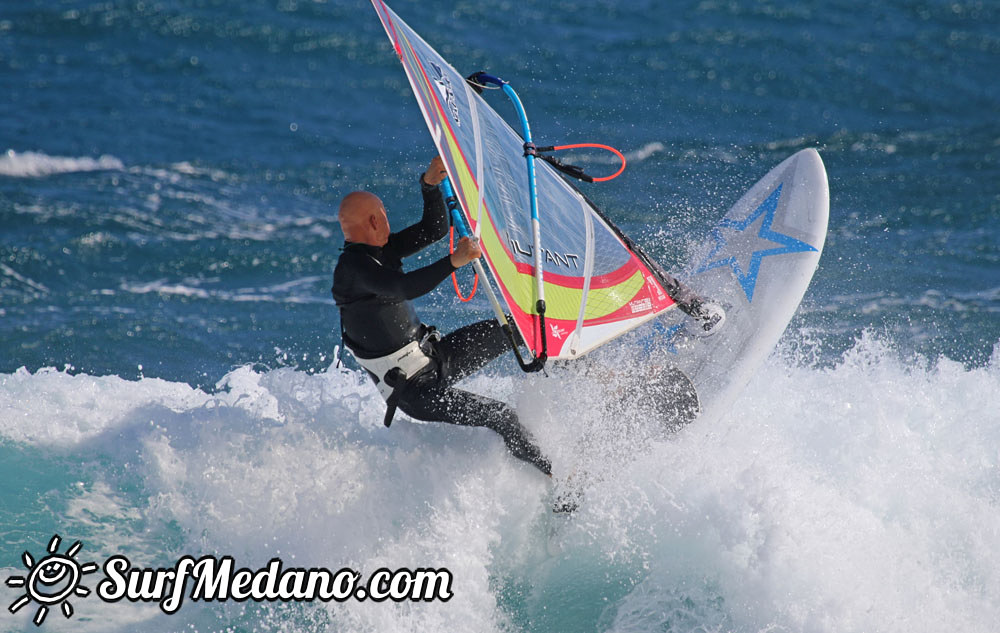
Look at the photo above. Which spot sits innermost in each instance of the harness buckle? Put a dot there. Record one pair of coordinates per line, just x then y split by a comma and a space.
431, 335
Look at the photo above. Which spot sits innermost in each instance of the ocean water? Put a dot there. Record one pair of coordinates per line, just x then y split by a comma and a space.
168, 187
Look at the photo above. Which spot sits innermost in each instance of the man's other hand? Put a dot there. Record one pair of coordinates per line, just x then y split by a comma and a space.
466, 251
435, 172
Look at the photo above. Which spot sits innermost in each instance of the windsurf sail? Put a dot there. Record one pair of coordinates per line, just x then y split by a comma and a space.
596, 284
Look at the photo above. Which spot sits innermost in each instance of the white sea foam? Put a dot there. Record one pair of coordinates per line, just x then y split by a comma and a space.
38, 164
299, 291
645, 151
860, 498
29, 285
596, 156
856, 498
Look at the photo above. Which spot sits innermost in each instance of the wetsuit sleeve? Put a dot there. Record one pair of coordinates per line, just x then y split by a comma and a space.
369, 276
431, 227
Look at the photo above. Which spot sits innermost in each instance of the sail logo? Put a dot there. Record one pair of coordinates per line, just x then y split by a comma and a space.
443, 84
655, 286
570, 260
641, 305
557, 331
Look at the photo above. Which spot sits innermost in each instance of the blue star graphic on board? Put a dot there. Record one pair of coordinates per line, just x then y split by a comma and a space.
748, 276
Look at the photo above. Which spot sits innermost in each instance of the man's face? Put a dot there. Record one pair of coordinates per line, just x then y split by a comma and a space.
381, 226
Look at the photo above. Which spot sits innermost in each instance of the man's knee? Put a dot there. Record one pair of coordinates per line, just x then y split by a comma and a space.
421, 404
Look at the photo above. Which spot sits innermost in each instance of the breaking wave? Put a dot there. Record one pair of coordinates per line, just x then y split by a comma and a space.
857, 497
37, 164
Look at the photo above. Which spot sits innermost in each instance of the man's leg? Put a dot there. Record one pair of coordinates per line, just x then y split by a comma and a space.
435, 403
468, 349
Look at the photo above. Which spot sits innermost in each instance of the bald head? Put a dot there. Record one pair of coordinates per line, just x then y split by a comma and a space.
362, 218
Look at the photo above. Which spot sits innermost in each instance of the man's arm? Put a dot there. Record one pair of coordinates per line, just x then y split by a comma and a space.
434, 223
368, 276
359, 274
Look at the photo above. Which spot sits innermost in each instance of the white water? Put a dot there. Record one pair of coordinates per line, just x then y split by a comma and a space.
862, 497
38, 164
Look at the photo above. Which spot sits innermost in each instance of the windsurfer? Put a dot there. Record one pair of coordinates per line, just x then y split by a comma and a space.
412, 364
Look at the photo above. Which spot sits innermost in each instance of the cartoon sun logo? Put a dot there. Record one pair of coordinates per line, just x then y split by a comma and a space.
52, 580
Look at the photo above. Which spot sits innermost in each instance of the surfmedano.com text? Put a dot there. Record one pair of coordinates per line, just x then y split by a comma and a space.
216, 579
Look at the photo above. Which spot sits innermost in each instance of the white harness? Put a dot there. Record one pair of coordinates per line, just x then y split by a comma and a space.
410, 359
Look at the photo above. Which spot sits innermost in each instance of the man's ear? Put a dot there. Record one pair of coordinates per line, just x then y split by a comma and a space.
373, 222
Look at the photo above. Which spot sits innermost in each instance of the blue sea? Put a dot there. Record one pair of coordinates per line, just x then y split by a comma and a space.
169, 177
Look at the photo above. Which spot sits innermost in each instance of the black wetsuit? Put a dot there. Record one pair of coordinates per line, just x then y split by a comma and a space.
373, 294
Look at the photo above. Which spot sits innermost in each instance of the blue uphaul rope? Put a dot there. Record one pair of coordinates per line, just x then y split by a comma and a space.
529, 155
452, 203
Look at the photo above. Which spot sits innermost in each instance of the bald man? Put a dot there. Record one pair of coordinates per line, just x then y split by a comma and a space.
413, 366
